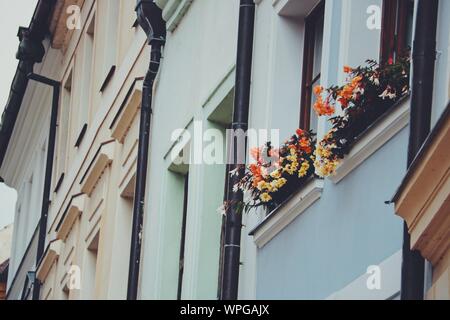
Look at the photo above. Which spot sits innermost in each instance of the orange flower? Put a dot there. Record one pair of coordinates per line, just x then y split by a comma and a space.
305, 145
304, 142
256, 170
348, 69
318, 90
347, 92
256, 180
300, 132
323, 109
356, 80
344, 102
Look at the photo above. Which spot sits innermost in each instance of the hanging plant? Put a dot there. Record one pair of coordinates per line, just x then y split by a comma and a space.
275, 174
368, 93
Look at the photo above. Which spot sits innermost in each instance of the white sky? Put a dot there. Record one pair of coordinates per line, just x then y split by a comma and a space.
12, 15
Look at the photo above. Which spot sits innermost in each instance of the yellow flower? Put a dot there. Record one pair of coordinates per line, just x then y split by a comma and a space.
326, 167
265, 197
290, 169
274, 186
262, 185
281, 182
276, 174
303, 170
292, 158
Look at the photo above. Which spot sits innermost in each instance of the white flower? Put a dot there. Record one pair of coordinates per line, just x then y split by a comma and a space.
236, 188
383, 95
221, 210
375, 80
234, 172
392, 96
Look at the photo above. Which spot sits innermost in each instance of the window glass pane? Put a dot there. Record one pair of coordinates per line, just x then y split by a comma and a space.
318, 47
409, 25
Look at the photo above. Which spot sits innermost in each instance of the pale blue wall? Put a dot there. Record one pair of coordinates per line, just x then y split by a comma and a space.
335, 240
350, 228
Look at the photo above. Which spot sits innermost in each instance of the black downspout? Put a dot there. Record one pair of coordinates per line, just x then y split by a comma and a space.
150, 19
424, 57
48, 172
233, 220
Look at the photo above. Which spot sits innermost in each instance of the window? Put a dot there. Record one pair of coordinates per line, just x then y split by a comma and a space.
183, 238
63, 130
111, 21
90, 269
396, 33
312, 62
88, 59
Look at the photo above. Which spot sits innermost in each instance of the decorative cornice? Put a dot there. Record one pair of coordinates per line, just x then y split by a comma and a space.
424, 199
61, 35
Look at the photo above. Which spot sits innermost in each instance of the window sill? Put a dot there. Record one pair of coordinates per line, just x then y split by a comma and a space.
102, 159
46, 263
72, 212
372, 139
281, 217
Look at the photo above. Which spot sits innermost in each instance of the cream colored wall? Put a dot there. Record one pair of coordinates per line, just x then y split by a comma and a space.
106, 212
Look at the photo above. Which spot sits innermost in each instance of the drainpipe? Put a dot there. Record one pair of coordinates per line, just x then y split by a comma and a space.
149, 16
424, 57
233, 221
48, 172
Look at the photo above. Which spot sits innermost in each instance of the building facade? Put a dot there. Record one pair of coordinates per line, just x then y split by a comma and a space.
322, 243
98, 55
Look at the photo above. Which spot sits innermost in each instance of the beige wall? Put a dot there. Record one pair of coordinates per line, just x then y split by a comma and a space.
90, 216
424, 203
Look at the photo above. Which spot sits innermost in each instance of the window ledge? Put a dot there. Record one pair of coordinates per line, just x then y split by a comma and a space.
72, 212
102, 159
384, 129
50, 255
281, 217
127, 112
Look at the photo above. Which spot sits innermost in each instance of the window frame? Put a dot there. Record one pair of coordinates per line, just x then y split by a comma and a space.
394, 29
308, 78
182, 257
